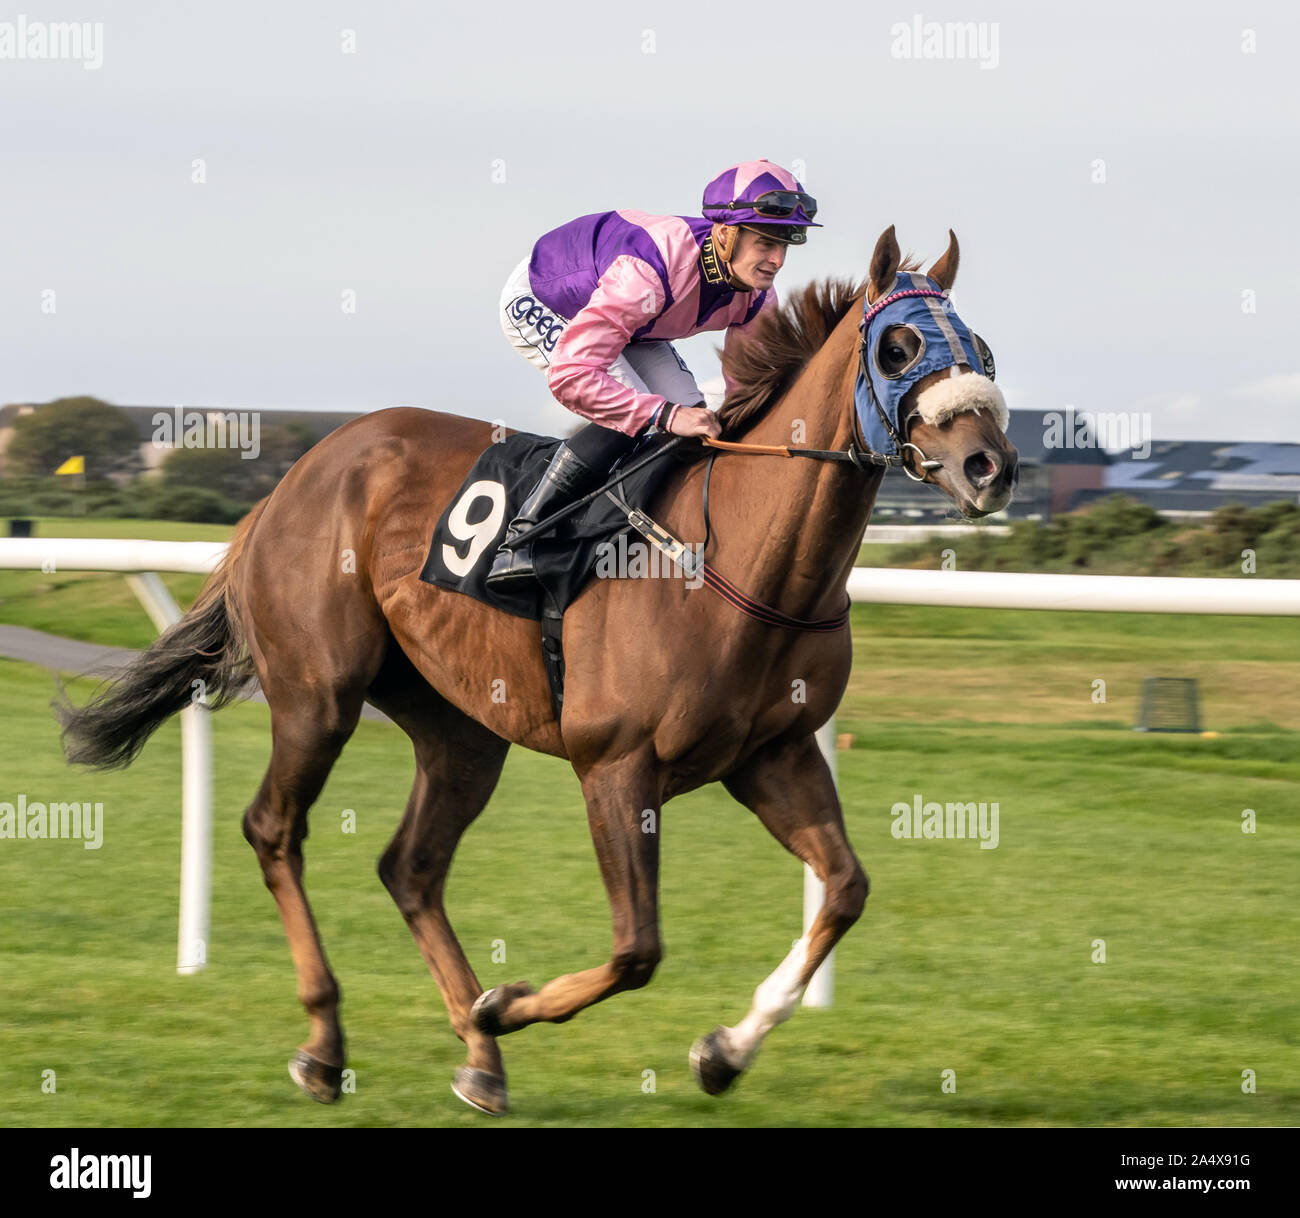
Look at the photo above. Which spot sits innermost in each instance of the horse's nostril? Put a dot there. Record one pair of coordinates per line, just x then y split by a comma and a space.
981, 468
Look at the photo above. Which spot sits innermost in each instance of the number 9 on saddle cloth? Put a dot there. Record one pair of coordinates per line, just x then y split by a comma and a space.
467, 535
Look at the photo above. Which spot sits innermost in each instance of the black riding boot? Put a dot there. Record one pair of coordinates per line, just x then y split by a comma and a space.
564, 478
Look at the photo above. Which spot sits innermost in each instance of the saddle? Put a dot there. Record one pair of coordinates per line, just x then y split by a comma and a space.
565, 556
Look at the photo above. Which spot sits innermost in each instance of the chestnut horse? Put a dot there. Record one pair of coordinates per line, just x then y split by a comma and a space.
319, 596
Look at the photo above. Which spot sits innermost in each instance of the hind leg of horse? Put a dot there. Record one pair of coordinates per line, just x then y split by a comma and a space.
308, 736
789, 787
623, 814
458, 765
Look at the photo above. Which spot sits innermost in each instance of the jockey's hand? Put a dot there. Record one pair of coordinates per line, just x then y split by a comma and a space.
695, 421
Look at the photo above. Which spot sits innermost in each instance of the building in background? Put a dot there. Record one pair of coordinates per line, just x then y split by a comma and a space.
1194, 477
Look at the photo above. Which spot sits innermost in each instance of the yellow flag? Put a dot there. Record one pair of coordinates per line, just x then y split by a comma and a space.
73, 465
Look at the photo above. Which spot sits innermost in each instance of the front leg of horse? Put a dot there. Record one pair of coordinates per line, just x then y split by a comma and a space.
789, 787
623, 813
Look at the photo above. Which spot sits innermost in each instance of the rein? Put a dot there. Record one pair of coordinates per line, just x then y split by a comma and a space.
853, 454
860, 457
769, 615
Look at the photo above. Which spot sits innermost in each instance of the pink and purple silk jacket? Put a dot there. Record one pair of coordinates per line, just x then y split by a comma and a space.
626, 277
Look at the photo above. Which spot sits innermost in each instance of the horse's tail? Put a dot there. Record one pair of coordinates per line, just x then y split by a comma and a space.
202, 657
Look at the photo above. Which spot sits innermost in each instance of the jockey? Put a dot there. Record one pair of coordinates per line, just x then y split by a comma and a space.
598, 301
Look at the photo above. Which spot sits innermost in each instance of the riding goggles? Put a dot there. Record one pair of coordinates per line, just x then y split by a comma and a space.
777, 204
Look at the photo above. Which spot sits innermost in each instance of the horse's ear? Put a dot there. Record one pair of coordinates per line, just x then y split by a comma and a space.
884, 265
944, 272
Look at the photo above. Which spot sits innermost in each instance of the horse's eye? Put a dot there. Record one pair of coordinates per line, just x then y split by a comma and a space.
898, 349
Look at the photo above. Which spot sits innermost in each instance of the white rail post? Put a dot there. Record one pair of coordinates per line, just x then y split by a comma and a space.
821, 989
196, 795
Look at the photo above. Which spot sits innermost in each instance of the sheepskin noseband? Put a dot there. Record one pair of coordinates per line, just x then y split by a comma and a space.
962, 391
945, 342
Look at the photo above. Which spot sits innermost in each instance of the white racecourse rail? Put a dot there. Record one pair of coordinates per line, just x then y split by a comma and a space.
966, 589
141, 560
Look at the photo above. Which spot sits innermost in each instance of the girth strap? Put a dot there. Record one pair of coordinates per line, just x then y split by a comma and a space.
553, 655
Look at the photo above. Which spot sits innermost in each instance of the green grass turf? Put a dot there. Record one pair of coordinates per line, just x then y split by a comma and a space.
975, 961
969, 960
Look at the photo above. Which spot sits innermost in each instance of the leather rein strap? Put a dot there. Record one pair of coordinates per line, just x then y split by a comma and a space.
862, 458
767, 614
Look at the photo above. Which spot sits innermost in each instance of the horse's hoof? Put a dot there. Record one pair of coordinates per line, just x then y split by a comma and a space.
712, 1070
481, 1090
321, 1082
487, 1013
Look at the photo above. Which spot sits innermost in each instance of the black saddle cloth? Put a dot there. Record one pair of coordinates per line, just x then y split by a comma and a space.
467, 535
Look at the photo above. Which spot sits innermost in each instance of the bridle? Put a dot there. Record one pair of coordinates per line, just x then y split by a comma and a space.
863, 458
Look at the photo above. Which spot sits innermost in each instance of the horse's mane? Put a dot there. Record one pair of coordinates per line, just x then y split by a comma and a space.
764, 367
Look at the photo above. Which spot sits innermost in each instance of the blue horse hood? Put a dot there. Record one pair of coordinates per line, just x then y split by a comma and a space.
919, 303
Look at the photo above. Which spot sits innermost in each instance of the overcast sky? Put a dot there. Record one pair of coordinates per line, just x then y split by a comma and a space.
376, 172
